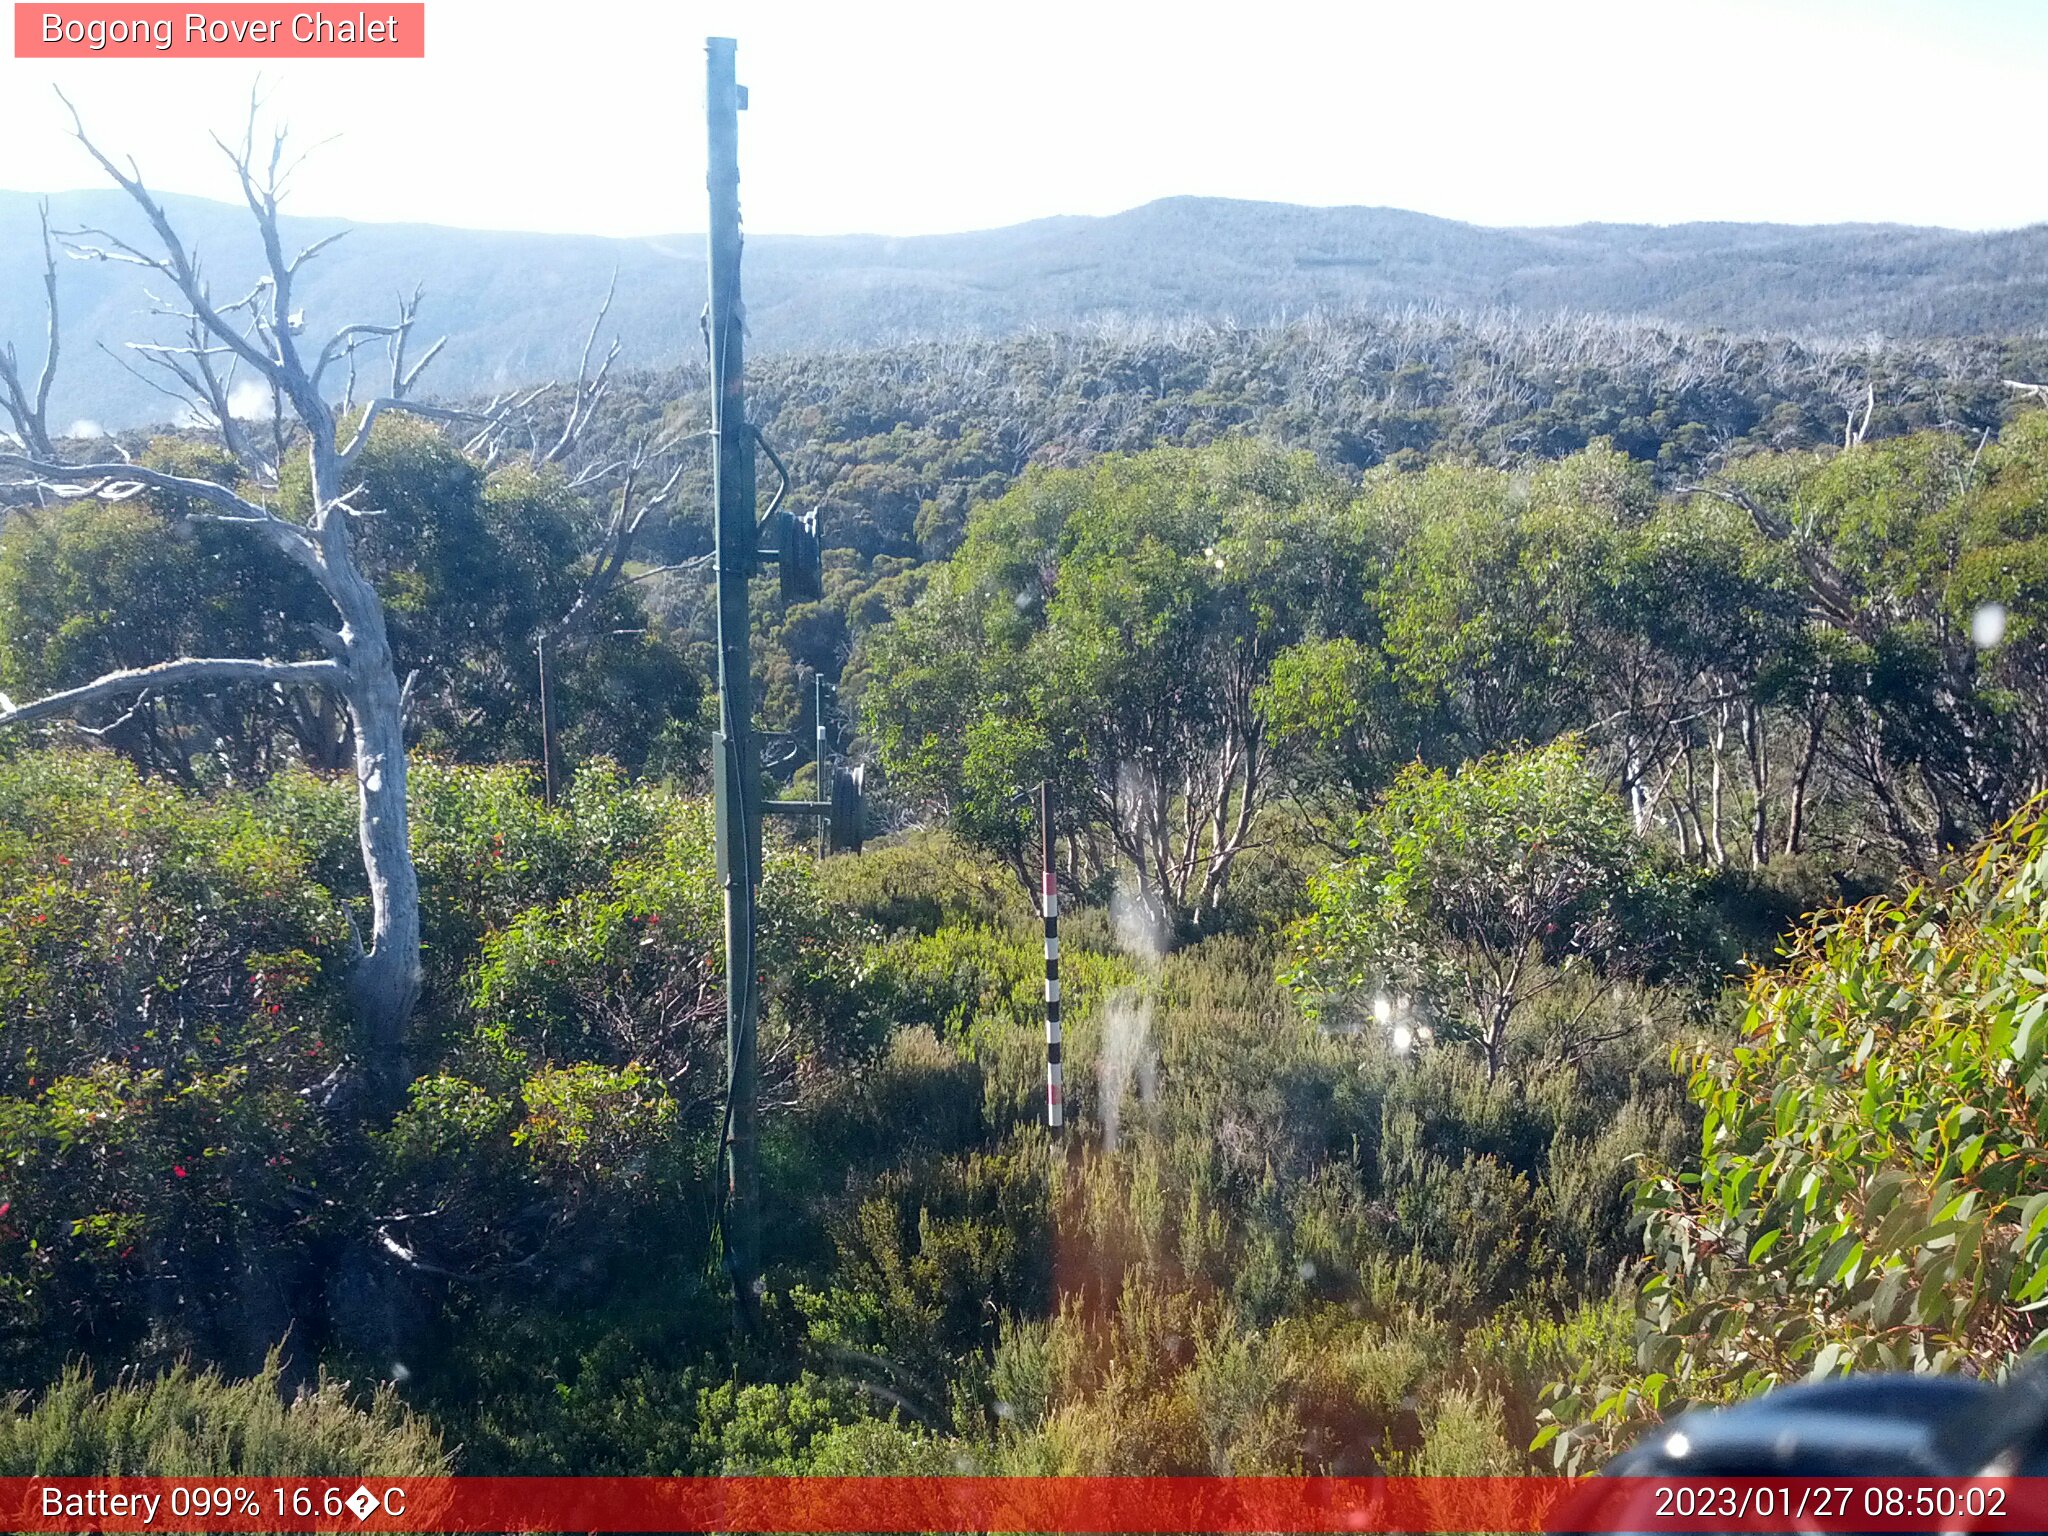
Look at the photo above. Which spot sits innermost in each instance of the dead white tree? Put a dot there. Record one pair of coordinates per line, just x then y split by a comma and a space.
1854, 431
28, 406
261, 332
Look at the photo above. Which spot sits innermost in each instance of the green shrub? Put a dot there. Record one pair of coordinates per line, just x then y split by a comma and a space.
1465, 1436
929, 1262
769, 1428
486, 845
629, 969
170, 986
1472, 893
1867, 1195
885, 1448
187, 1423
921, 882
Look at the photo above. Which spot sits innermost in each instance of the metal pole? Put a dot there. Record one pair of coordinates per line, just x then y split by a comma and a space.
1055, 1084
547, 724
822, 789
738, 769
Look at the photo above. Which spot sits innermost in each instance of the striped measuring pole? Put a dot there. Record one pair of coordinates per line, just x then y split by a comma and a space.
1055, 1095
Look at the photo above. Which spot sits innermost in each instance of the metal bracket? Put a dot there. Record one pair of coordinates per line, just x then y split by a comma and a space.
845, 814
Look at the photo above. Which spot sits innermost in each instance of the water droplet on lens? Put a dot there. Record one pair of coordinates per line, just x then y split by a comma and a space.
1987, 625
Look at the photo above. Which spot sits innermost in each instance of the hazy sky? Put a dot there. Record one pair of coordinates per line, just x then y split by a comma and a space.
586, 115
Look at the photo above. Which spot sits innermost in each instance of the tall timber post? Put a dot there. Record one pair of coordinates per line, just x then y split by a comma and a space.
737, 766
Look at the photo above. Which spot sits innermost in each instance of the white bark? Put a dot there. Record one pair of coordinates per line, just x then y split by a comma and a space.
28, 406
170, 674
259, 332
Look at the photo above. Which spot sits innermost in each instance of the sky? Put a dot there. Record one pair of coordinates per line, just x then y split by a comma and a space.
913, 118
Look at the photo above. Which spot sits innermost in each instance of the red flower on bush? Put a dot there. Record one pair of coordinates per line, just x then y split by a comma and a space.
178, 1169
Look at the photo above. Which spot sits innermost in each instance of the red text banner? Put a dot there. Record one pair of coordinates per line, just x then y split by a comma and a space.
1110, 1505
220, 31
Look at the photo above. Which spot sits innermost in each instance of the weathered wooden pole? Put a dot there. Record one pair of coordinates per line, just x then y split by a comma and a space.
737, 767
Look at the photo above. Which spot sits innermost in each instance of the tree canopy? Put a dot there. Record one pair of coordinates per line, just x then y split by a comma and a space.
1472, 894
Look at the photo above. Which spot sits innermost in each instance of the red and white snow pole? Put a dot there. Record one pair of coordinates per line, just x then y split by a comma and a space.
1055, 1106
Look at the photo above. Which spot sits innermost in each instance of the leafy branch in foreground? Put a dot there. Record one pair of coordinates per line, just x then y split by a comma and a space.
1869, 1188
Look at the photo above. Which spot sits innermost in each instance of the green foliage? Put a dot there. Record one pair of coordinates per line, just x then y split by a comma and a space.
485, 844
1865, 1195
471, 571
768, 1428
1478, 892
632, 971
927, 1265
1467, 1438
187, 1423
169, 985
1335, 704
1276, 1241
86, 590
579, 1080
1923, 532
1111, 630
1792, 664
944, 1298
175, 1019
921, 882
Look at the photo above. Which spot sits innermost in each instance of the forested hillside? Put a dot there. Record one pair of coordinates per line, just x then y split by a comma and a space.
507, 301
1548, 819
893, 447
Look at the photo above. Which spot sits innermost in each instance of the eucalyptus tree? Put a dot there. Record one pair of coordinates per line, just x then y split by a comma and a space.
1477, 892
259, 336
1113, 630
1918, 563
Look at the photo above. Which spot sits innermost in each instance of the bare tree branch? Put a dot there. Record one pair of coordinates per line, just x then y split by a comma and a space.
588, 391
346, 456
343, 343
176, 263
317, 246
404, 378
101, 732
211, 395
627, 517
28, 409
172, 674
260, 330
696, 563
118, 482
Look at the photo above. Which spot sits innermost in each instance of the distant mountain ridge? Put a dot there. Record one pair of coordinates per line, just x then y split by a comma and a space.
515, 306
